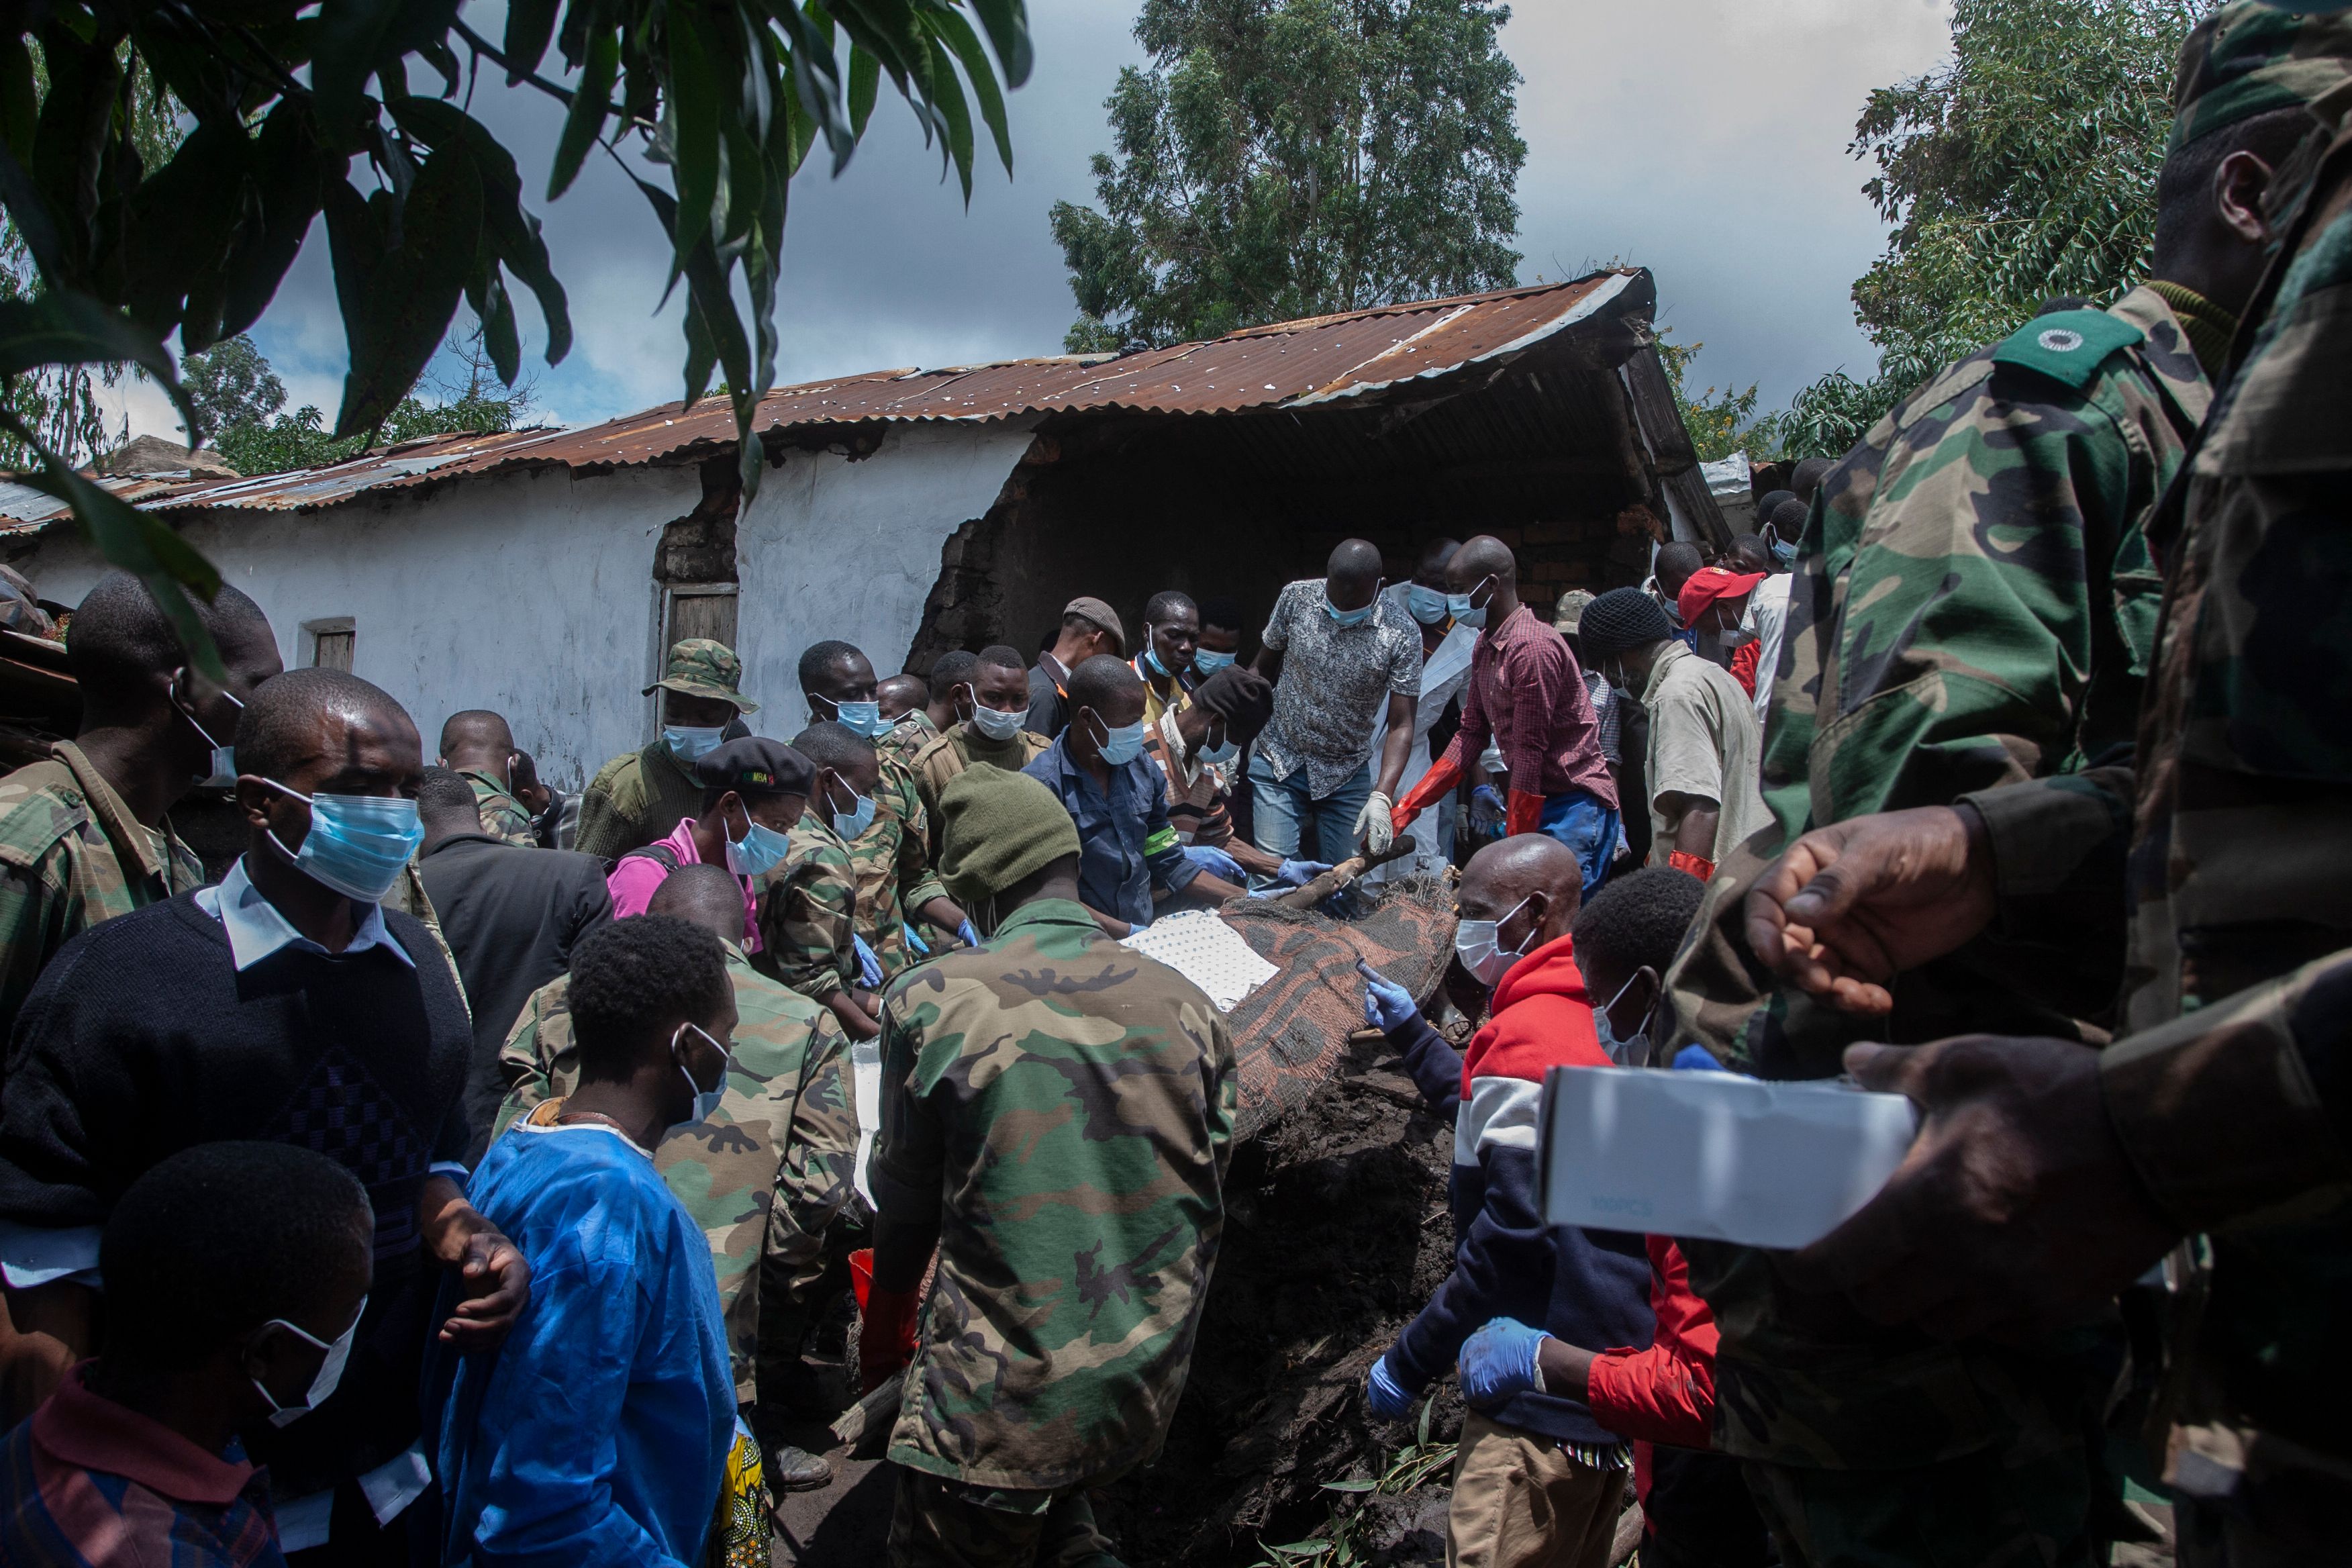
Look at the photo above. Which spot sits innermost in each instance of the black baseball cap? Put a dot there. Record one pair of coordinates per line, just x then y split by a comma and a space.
756, 765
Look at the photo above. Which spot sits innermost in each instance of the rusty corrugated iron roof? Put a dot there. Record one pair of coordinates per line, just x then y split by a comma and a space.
1317, 361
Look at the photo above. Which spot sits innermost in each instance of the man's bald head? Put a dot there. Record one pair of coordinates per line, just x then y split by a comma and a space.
1531, 870
1357, 562
308, 716
476, 738
1484, 557
708, 896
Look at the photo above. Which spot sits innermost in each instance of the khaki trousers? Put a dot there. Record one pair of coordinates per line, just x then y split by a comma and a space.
1520, 1501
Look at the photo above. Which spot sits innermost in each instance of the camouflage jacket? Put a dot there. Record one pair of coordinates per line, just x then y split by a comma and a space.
808, 912
71, 855
635, 801
957, 748
1067, 1106
1974, 604
2229, 1087
769, 1169
503, 817
903, 741
892, 859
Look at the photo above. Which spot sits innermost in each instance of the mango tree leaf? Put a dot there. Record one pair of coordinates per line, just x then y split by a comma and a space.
513, 232
1007, 22
949, 97
864, 86
412, 291
62, 327
959, 36
586, 123
30, 215
530, 23
691, 115
288, 167
141, 544
351, 39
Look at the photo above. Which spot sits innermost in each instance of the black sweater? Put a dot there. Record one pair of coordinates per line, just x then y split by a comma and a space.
142, 1039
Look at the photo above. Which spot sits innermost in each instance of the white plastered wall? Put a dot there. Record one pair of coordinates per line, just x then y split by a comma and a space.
835, 548
529, 594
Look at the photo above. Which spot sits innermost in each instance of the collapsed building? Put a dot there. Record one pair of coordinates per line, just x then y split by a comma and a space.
541, 572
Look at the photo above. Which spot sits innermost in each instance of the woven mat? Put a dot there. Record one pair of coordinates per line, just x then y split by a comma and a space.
1291, 1032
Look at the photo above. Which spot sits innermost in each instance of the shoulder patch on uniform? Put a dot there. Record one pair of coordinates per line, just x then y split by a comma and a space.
2068, 346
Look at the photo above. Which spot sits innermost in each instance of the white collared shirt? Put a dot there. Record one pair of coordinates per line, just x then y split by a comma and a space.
256, 928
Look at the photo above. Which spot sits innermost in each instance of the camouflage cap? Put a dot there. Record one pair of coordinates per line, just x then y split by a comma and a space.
701, 667
2247, 59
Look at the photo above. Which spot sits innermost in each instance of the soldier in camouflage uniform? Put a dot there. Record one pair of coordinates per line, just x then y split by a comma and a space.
636, 799
765, 1175
477, 746
889, 852
808, 914
904, 700
1057, 1115
999, 684
83, 835
2218, 868
1974, 605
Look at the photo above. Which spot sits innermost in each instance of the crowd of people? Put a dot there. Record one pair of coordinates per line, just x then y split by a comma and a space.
473, 1174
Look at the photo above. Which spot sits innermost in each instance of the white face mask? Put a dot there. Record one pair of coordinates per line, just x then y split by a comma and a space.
331, 1369
996, 723
1634, 1050
1478, 944
705, 1101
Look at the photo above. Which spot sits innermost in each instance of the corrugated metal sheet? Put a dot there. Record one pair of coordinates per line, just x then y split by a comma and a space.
1319, 362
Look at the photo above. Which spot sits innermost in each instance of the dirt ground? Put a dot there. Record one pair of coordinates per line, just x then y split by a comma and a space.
1337, 1231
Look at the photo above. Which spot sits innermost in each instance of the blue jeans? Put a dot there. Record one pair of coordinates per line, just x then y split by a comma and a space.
1282, 810
1579, 821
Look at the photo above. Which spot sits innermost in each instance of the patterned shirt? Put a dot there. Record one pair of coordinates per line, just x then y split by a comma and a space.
1336, 683
92, 1484
1066, 1106
1525, 690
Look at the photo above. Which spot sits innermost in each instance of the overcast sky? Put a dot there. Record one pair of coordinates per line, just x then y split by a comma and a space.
1703, 138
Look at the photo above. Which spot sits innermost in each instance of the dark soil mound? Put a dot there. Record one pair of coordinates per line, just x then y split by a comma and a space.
1336, 1233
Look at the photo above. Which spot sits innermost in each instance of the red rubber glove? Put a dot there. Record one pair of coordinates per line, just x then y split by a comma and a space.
1525, 813
1743, 665
1442, 776
1683, 860
885, 1340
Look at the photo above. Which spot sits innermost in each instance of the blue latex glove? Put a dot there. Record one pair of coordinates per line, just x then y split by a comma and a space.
1487, 807
869, 968
1216, 863
915, 940
1499, 1361
1696, 1058
1384, 1396
1299, 873
1388, 1006
969, 933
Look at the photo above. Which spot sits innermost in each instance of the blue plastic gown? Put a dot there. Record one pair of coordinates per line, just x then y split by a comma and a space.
598, 1434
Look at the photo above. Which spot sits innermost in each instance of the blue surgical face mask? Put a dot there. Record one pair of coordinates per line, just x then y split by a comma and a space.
996, 723
705, 1101
1428, 605
1151, 652
1225, 750
759, 851
358, 844
689, 743
1634, 1050
1784, 554
1121, 745
852, 823
1206, 664
223, 773
1460, 605
864, 718
1349, 617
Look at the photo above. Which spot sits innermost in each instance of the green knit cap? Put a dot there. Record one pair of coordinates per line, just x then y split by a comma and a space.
997, 827
2247, 59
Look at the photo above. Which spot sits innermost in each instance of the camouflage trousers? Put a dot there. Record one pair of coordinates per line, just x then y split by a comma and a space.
940, 1523
1985, 1510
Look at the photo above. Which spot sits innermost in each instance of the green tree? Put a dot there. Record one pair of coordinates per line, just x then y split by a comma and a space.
232, 386
1287, 158
725, 97
2023, 167
1721, 420
238, 396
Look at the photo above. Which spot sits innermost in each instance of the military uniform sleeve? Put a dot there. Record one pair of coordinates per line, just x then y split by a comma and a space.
2244, 1105
820, 1157
36, 917
918, 883
806, 921
910, 1146
604, 829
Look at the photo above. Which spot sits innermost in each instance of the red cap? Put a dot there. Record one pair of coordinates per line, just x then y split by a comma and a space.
1709, 583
